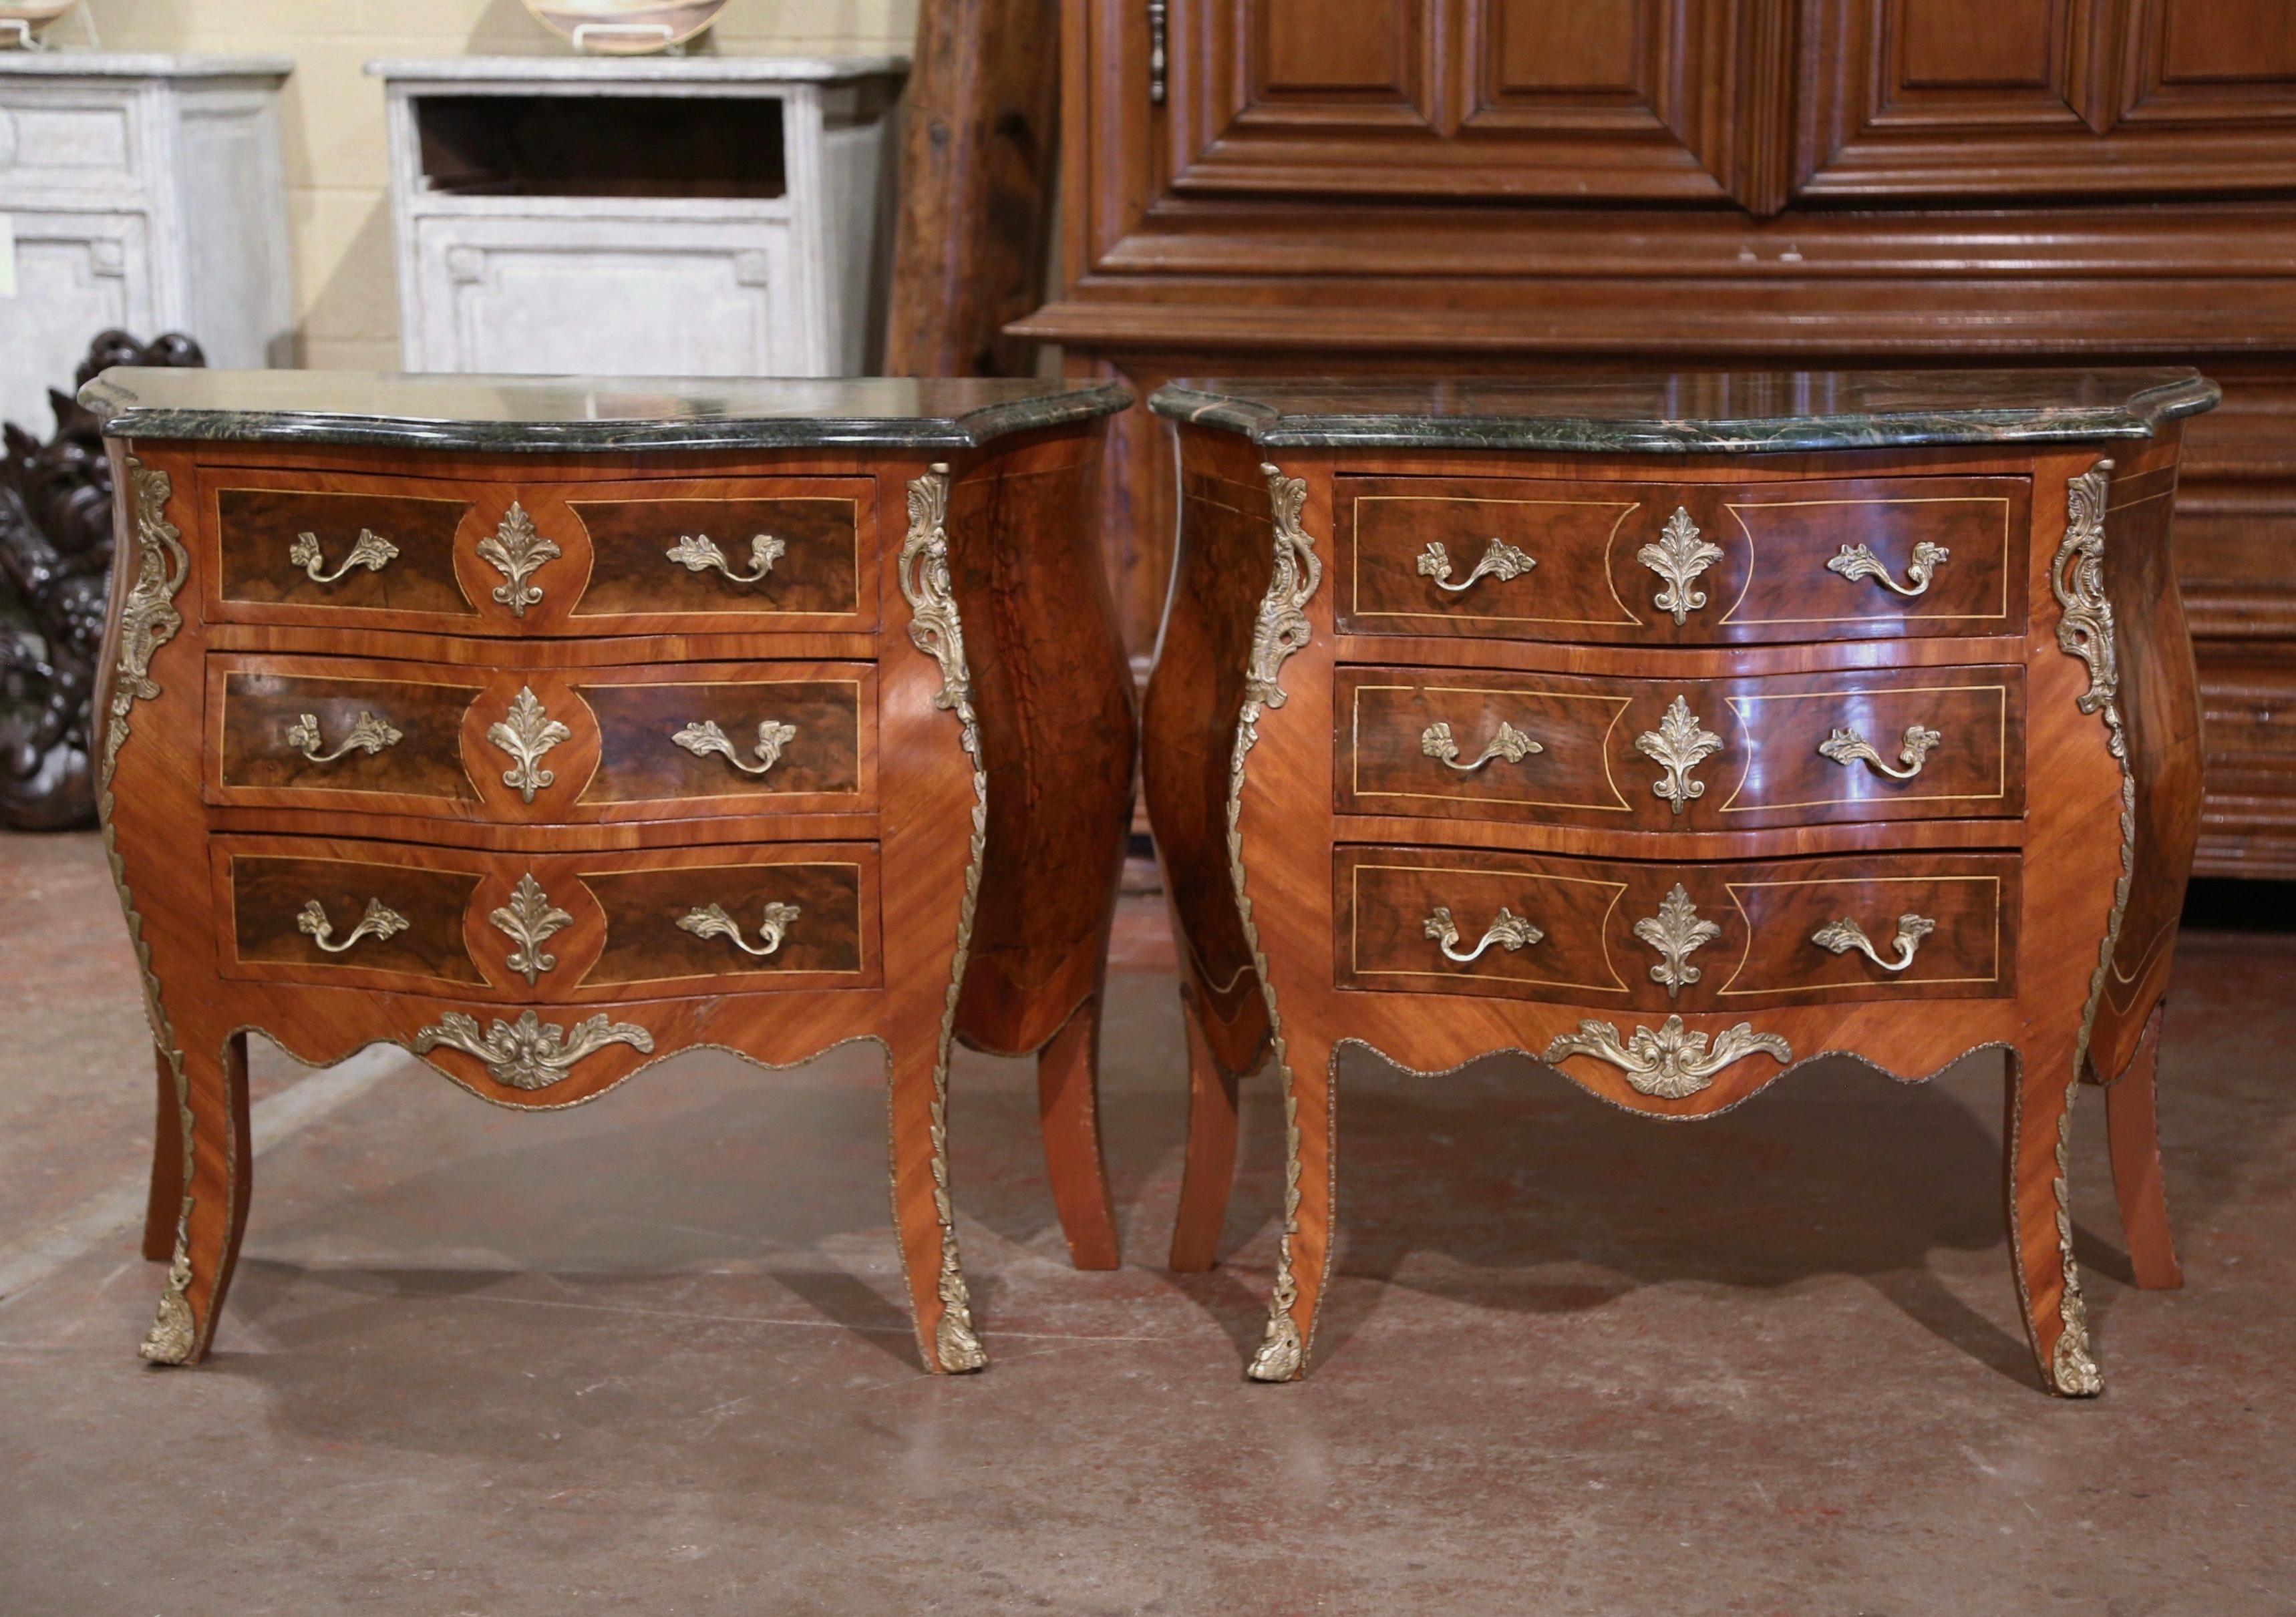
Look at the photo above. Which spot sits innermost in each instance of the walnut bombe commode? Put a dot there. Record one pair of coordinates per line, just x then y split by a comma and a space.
1678, 731
548, 729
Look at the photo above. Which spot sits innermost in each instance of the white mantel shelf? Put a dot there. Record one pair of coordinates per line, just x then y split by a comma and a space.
638, 69
140, 64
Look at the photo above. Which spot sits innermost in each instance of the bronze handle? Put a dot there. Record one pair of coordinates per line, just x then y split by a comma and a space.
370, 735
1841, 936
703, 737
773, 926
1856, 561
370, 550
1510, 744
1846, 747
1510, 932
378, 922
1158, 15
699, 552
1501, 561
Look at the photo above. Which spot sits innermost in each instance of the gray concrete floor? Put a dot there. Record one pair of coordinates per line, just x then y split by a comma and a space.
649, 1355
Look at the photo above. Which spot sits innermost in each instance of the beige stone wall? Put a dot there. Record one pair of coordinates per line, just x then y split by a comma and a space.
345, 295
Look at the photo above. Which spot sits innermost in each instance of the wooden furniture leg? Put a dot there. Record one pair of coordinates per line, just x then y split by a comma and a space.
1303, 1260
1208, 1172
922, 1210
213, 1211
2132, 1136
1067, 1111
2040, 1090
167, 1201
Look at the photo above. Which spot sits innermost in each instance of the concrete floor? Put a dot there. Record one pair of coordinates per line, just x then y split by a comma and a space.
649, 1355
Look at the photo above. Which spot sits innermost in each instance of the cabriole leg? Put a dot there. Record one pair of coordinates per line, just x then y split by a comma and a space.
1067, 1112
1310, 1105
212, 1213
1208, 1172
166, 1200
938, 1301
2133, 1133
2040, 1092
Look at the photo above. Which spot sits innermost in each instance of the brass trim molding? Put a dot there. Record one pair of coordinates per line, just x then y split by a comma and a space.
1500, 560
1281, 630
699, 552
936, 629
1677, 933
148, 620
528, 920
526, 731
1678, 556
2086, 631
529, 1054
703, 737
1673, 1063
516, 551
1679, 744
368, 735
370, 551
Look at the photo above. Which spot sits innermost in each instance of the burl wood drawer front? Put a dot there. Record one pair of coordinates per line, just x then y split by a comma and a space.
1661, 936
505, 558
548, 927
1688, 564
1681, 754
541, 745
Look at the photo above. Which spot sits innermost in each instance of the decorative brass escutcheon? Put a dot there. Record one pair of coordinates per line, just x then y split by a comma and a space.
526, 732
1678, 557
1672, 1063
1679, 744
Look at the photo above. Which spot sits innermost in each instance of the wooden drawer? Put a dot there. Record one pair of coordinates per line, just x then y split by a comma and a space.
541, 745
1612, 932
547, 926
1688, 564
539, 557
1555, 748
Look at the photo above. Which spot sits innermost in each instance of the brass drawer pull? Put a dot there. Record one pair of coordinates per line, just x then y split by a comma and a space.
370, 735
378, 922
773, 926
1678, 557
1501, 561
1846, 747
699, 552
1679, 744
703, 738
1841, 937
529, 1054
1855, 561
1510, 744
526, 732
1672, 1063
370, 550
1510, 932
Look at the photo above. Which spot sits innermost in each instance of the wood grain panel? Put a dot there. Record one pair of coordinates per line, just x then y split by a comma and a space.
255, 755
263, 894
640, 762
257, 523
832, 942
1972, 899
1766, 770
819, 580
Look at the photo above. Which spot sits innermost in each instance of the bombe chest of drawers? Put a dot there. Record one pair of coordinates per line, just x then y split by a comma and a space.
546, 731
1677, 731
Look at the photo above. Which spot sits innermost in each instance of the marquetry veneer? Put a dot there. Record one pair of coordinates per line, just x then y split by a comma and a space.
1679, 730
547, 733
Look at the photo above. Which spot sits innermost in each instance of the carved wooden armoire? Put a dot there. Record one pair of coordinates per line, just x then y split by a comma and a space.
1420, 187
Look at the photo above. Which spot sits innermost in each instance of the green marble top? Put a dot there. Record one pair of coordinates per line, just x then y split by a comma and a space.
1698, 411
574, 412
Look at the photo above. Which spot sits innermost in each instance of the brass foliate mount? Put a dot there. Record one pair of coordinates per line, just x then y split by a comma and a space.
703, 738
1501, 560
529, 1054
379, 922
698, 553
517, 551
1679, 744
526, 732
1856, 561
1848, 747
1676, 932
773, 926
1672, 1063
370, 550
1679, 555
1841, 936
1508, 930
528, 920
368, 735
1508, 744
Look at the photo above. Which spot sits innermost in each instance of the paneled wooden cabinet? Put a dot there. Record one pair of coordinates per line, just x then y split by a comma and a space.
1425, 187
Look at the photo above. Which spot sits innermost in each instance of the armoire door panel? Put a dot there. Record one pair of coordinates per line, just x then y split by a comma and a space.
1584, 99
2189, 60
